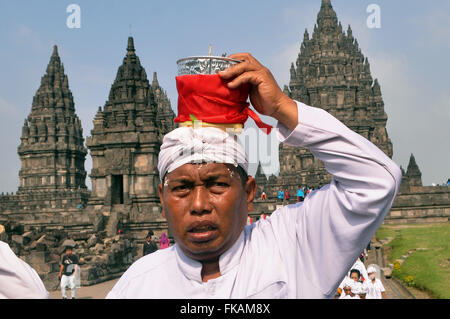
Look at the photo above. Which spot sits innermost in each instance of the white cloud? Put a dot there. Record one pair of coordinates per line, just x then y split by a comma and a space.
434, 29
24, 35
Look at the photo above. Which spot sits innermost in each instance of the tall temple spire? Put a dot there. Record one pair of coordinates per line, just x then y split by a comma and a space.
125, 140
52, 143
164, 114
333, 74
326, 18
130, 47
413, 172
130, 88
155, 82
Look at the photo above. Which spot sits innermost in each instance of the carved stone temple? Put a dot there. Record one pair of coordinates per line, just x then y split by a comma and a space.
52, 153
125, 142
331, 73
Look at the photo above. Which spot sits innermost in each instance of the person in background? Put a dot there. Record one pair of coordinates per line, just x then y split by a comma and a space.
375, 288
340, 290
352, 280
262, 216
68, 272
287, 195
358, 265
280, 195
350, 290
346, 292
355, 275
363, 290
149, 244
300, 195
249, 220
361, 257
164, 242
263, 196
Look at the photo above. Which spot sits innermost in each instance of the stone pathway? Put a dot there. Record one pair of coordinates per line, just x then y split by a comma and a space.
98, 291
395, 289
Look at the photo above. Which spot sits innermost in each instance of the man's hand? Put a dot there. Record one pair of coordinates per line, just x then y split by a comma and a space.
265, 94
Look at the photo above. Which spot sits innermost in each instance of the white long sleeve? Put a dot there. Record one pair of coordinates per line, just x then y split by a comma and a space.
335, 223
17, 279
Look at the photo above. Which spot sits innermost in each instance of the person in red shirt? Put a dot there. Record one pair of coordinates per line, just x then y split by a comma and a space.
287, 195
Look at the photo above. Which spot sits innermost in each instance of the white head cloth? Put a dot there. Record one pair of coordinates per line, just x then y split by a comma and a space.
199, 145
357, 287
371, 269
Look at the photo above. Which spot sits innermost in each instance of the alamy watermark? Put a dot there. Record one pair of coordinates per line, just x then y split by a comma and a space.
74, 19
374, 19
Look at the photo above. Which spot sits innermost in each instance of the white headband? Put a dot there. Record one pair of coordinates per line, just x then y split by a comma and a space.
199, 145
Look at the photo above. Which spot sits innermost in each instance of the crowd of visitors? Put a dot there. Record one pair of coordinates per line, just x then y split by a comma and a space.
285, 195
361, 283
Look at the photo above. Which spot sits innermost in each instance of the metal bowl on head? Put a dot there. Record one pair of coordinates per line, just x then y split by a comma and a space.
204, 64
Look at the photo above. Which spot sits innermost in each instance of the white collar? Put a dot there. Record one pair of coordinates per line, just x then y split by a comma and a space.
228, 260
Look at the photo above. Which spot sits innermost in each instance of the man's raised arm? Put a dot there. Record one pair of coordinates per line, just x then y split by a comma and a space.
333, 225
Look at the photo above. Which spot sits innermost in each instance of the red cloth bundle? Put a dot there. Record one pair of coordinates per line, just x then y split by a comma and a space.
208, 98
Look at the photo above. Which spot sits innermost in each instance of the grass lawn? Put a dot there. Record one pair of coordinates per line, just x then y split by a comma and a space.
427, 270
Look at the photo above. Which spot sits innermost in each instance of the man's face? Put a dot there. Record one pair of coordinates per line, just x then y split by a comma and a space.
68, 252
206, 207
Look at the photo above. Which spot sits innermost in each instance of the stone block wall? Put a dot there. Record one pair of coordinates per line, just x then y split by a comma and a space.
420, 204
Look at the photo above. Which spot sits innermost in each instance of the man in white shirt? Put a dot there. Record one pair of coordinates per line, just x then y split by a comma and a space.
17, 279
302, 250
374, 285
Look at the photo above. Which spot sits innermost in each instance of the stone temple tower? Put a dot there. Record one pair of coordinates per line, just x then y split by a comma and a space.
52, 148
333, 74
413, 174
124, 145
164, 113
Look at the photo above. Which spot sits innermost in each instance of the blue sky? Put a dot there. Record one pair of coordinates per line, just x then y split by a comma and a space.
408, 54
